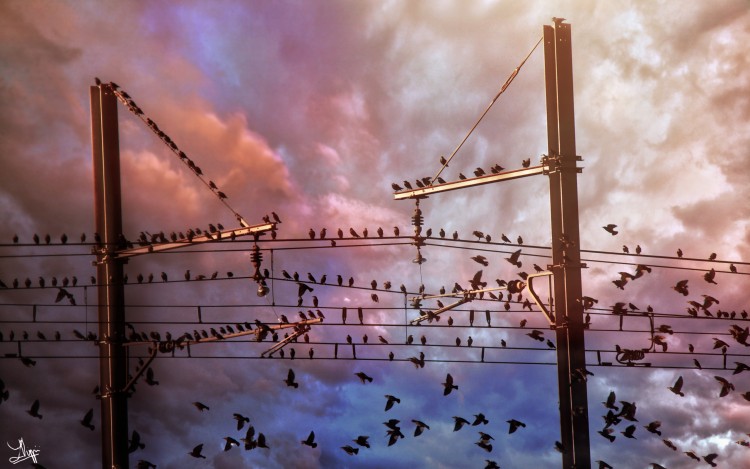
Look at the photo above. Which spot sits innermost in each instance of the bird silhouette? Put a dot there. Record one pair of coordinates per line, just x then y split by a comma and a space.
515, 425
241, 420
709, 458
348, 449
420, 427
86, 421
310, 440
448, 385
362, 440
390, 400
290, 379
653, 427
726, 386
610, 228
196, 452
200, 406
459, 422
677, 388
134, 443
34, 410
363, 377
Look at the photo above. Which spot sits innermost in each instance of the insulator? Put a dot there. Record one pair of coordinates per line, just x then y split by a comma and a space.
417, 219
256, 257
516, 286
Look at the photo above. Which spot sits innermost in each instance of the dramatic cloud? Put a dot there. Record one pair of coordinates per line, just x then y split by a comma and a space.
311, 110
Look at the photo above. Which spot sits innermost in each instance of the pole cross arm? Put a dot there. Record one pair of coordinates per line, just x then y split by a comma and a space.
208, 237
471, 182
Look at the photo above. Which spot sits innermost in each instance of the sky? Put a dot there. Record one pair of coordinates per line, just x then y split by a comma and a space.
312, 110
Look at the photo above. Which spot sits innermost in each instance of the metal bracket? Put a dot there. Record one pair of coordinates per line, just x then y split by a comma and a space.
530, 288
139, 373
297, 332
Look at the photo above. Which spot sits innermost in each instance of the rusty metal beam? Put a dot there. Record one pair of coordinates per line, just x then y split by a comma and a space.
470, 182
181, 243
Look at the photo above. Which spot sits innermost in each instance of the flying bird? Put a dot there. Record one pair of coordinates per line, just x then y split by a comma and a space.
677, 388
310, 441
726, 386
514, 425
196, 452
34, 410
200, 406
459, 422
363, 377
86, 421
448, 385
290, 379
611, 229
420, 427
390, 400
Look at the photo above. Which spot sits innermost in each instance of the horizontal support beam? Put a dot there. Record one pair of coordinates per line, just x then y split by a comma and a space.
470, 182
180, 243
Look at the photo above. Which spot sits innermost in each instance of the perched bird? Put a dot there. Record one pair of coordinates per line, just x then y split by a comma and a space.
310, 440
448, 385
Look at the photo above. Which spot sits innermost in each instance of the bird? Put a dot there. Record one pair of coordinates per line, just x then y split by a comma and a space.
390, 400
514, 425
310, 440
448, 385
653, 427
290, 379
479, 419
420, 427
669, 444
230, 442
86, 421
134, 443
709, 458
610, 228
607, 433
361, 440
513, 259
200, 406
677, 388
350, 450
34, 410
150, 378
196, 452
459, 422
363, 377
241, 420
726, 386
629, 430
709, 276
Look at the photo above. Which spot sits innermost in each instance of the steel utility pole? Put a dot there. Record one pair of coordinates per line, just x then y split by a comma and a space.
113, 371
566, 250
560, 165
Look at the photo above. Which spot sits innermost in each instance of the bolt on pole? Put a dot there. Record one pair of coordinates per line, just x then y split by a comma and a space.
108, 215
566, 251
